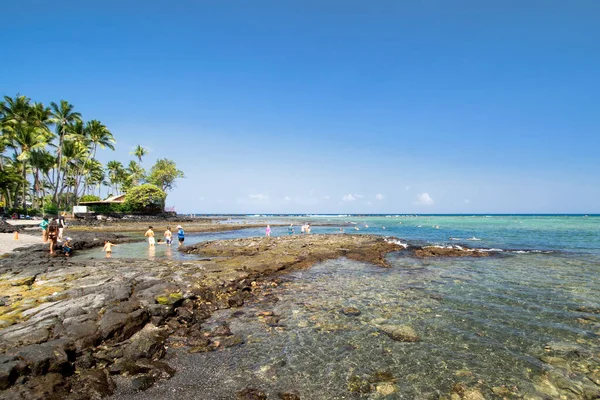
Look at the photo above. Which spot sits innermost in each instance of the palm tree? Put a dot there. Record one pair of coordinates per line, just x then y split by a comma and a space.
99, 135
136, 173
114, 173
139, 152
75, 156
42, 161
63, 116
95, 176
26, 130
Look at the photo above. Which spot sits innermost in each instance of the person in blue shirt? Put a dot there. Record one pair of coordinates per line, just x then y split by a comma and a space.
180, 234
44, 226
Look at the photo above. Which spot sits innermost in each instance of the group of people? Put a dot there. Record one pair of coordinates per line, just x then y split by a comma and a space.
53, 231
305, 228
168, 235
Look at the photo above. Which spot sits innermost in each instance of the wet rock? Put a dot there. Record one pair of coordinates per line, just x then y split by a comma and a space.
221, 330
171, 299
183, 314
555, 361
288, 395
350, 311
544, 386
594, 377
93, 384
400, 333
200, 344
434, 251
251, 394
236, 300
47, 357
386, 388
126, 367
10, 369
467, 393
52, 386
85, 361
230, 341
121, 326
142, 382
158, 369
147, 343
358, 384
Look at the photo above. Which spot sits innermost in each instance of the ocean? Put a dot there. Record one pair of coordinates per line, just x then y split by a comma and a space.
523, 323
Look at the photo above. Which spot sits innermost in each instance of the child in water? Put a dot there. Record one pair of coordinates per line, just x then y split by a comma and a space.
108, 248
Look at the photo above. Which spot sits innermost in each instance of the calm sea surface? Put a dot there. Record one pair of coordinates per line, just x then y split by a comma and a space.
525, 322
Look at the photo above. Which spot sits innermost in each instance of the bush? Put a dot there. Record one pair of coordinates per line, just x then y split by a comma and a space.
51, 209
109, 208
146, 198
89, 197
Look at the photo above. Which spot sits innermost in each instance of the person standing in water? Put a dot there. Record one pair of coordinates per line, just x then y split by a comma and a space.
108, 248
268, 231
180, 234
150, 235
168, 236
291, 229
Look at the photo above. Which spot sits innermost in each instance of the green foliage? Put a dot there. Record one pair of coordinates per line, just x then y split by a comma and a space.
164, 173
89, 197
110, 208
145, 198
51, 208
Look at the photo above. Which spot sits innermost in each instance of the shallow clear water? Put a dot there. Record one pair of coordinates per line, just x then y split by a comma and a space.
484, 322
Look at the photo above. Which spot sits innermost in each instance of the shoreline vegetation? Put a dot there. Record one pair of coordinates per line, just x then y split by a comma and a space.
48, 164
67, 327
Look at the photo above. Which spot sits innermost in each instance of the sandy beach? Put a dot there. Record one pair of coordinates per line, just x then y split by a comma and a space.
29, 235
8, 242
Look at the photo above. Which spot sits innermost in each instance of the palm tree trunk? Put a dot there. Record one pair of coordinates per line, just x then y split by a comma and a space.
24, 186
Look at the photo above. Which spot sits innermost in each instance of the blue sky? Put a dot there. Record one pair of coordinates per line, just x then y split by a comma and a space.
332, 106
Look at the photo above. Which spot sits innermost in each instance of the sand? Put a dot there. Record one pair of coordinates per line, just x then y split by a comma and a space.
8, 242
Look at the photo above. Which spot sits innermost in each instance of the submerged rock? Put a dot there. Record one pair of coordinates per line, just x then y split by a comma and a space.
350, 311
400, 333
435, 251
251, 394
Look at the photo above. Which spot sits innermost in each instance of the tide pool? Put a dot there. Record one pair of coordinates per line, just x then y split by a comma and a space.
524, 323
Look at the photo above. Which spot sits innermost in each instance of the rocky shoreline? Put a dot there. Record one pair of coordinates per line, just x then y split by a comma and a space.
67, 326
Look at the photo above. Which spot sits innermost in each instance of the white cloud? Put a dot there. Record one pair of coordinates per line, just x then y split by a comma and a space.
259, 197
407, 188
287, 198
379, 196
368, 203
201, 198
424, 199
348, 197
467, 201
327, 197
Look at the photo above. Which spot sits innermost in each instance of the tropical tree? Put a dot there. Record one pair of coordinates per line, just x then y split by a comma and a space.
115, 173
63, 117
139, 152
95, 175
42, 163
25, 126
135, 174
146, 197
99, 135
164, 173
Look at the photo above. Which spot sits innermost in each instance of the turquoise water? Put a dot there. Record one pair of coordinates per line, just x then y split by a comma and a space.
522, 324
